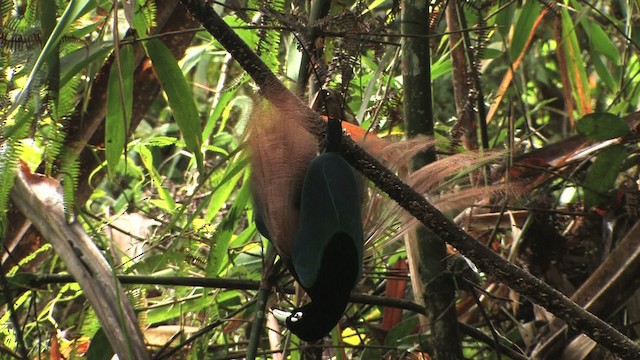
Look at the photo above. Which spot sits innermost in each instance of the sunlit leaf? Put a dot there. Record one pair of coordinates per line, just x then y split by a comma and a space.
218, 257
179, 96
523, 28
168, 202
576, 68
71, 13
601, 41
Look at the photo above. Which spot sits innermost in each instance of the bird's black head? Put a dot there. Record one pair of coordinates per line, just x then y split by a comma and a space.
316, 319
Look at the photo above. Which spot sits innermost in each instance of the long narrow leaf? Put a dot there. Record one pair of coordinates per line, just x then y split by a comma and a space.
508, 76
523, 28
179, 96
575, 65
219, 257
119, 108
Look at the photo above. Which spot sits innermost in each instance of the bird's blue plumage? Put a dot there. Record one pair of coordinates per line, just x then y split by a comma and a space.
310, 208
330, 204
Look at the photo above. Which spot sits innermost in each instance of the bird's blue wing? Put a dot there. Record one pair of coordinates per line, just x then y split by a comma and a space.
330, 203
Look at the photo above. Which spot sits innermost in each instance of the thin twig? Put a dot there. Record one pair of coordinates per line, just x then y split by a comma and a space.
202, 332
218, 283
8, 298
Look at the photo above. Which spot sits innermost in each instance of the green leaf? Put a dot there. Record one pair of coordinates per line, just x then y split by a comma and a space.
161, 314
140, 15
403, 332
576, 67
156, 180
602, 126
601, 42
71, 13
100, 348
504, 19
441, 67
161, 141
219, 256
523, 28
179, 96
47, 14
224, 189
196, 303
602, 174
119, 108
603, 72
71, 64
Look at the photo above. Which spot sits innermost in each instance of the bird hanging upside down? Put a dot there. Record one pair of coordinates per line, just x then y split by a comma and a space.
309, 207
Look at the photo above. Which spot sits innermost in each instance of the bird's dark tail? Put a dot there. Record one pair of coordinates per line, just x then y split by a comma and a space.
334, 135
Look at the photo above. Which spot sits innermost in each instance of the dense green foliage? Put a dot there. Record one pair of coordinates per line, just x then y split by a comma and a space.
171, 197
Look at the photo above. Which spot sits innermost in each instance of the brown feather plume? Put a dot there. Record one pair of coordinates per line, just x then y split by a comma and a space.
280, 152
281, 148
440, 181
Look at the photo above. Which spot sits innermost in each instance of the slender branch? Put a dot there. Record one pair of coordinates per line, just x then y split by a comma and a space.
257, 324
218, 283
8, 298
519, 280
261, 302
202, 332
234, 284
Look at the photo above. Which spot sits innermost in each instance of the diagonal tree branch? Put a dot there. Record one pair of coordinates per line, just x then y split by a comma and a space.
519, 280
40, 197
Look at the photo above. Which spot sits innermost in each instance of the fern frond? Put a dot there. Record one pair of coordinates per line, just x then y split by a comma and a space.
269, 40
18, 35
149, 10
9, 157
89, 323
67, 100
33, 98
30, 15
5, 84
138, 298
144, 17
54, 136
55, 132
70, 170
5, 10
8, 168
17, 18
